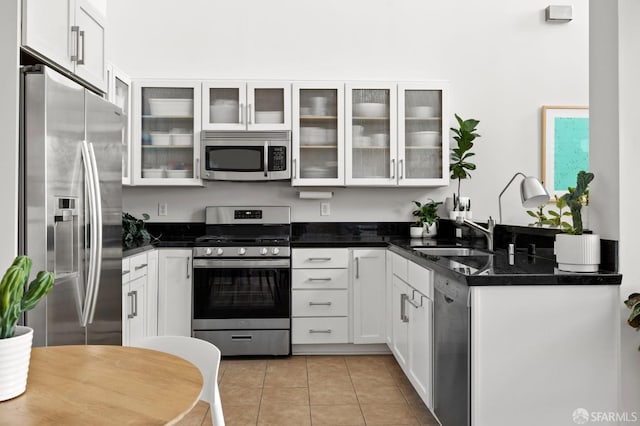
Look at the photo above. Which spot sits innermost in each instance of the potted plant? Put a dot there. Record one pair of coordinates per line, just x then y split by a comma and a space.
633, 303
427, 215
576, 251
15, 341
460, 167
134, 233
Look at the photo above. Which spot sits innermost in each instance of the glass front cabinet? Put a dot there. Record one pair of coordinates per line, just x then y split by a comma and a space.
166, 138
318, 134
119, 93
238, 105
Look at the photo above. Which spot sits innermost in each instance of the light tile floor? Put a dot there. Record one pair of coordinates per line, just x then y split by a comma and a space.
319, 390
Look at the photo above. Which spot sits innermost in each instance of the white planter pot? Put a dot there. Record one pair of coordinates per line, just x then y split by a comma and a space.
15, 353
577, 253
430, 231
416, 231
454, 214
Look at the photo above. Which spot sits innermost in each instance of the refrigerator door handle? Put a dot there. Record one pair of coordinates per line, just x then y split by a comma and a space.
89, 176
97, 191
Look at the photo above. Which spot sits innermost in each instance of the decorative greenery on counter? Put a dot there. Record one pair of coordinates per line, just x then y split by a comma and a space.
13, 298
575, 199
426, 213
134, 233
460, 167
633, 303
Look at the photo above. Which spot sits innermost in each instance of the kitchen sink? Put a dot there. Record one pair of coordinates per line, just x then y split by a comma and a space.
451, 251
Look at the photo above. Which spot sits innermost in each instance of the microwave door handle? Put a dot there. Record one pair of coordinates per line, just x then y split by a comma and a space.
266, 158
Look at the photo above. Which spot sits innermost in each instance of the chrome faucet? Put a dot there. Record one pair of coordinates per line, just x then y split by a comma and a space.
487, 232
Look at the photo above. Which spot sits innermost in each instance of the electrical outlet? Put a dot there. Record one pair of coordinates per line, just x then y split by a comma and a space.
325, 209
162, 209
458, 233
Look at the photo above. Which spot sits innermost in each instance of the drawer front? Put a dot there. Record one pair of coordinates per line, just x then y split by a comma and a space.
138, 266
319, 330
421, 279
320, 258
319, 303
319, 278
399, 265
126, 271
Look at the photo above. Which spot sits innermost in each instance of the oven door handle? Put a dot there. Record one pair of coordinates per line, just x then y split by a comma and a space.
240, 263
266, 158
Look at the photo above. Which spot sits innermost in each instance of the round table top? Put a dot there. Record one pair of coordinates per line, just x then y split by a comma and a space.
95, 385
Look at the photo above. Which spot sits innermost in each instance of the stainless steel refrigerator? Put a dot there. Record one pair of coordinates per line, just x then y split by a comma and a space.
71, 198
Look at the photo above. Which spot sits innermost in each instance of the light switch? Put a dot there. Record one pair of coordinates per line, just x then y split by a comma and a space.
162, 209
325, 209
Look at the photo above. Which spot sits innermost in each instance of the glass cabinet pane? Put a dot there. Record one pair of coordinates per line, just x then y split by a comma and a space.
370, 127
224, 105
121, 99
269, 107
318, 133
167, 132
423, 134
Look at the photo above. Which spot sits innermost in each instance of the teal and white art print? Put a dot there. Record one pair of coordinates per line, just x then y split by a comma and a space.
565, 146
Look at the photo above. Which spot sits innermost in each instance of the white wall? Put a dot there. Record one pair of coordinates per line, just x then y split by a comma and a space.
9, 88
503, 61
614, 89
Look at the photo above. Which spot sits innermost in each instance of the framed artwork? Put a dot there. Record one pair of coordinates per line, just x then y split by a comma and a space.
565, 146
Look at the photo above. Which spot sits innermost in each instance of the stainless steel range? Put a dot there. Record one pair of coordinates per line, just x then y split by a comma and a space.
242, 280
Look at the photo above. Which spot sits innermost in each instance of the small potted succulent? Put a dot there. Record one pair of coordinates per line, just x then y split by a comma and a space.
426, 224
15, 340
576, 251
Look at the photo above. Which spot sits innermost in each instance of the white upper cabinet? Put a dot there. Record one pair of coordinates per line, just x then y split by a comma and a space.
240, 105
166, 132
318, 134
423, 143
119, 93
371, 134
69, 33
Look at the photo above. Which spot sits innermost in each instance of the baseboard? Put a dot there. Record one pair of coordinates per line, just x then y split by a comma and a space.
341, 349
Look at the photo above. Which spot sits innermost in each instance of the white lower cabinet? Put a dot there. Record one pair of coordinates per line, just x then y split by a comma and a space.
368, 277
139, 297
174, 292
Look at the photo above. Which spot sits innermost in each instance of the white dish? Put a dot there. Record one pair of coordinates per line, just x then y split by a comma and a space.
362, 141
370, 109
182, 139
316, 172
153, 173
357, 130
424, 139
269, 117
305, 110
380, 139
160, 139
179, 173
224, 113
424, 111
171, 107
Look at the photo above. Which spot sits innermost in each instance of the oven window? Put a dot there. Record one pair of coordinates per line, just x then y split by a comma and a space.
235, 158
241, 293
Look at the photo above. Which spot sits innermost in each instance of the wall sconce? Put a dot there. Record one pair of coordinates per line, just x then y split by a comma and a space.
558, 14
532, 192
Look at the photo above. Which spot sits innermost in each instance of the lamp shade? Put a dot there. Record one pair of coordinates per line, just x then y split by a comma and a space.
533, 193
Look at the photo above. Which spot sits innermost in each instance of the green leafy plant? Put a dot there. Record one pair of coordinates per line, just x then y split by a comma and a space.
15, 298
538, 215
460, 167
575, 199
555, 218
633, 303
426, 213
134, 233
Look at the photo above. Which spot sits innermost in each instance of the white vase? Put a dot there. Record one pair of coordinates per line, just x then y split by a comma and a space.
416, 231
15, 353
430, 231
577, 253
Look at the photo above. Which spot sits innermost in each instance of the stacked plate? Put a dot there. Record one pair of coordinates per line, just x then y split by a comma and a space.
317, 136
224, 111
269, 117
370, 109
425, 139
171, 107
425, 111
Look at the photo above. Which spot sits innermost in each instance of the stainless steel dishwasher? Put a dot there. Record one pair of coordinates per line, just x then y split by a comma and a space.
452, 386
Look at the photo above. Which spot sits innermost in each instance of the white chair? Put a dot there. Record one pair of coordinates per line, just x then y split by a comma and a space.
203, 355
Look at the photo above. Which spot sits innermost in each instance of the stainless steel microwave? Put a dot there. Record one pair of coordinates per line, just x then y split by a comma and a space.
249, 156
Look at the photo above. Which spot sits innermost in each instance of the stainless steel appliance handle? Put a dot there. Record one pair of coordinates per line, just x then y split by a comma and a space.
241, 337
97, 232
311, 330
319, 303
403, 311
239, 263
266, 158
357, 267
89, 176
393, 168
188, 274
130, 296
318, 279
75, 29
81, 36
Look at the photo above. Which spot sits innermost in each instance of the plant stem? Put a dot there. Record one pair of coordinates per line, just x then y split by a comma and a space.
459, 182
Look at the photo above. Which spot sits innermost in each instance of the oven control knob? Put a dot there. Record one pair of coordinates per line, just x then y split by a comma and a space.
242, 251
275, 250
219, 252
264, 251
208, 251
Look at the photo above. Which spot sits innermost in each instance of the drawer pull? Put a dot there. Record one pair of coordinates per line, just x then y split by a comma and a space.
125, 272
319, 259
319, 303
242, 337
137, 268
319, 279
311, 330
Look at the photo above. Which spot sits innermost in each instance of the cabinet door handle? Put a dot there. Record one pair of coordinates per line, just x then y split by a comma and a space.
293, 168
197, 168
319, 303
328, 330
357, 267
413, 303
137, 268
241, 113
131, 312
75, 29
319, 259
319, 279
393, 168
125, 272
248, 113
188, 274
81, 36
403, 312
400, 169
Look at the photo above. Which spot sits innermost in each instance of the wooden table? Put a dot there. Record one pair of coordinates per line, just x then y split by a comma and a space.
99, 385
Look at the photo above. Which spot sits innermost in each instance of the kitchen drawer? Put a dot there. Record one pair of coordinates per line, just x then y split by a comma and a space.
138, 266
421, 279
319, 330
320, 303
399, 266
126, 271
320, 258
320, 278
